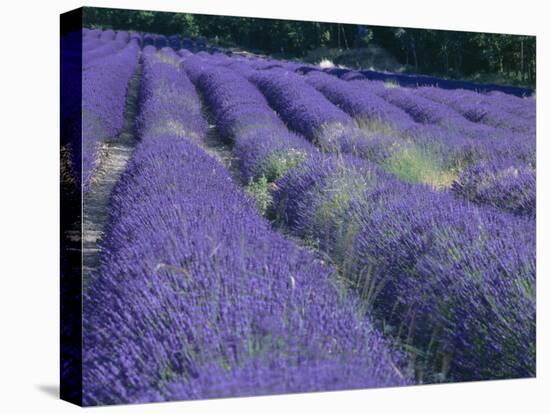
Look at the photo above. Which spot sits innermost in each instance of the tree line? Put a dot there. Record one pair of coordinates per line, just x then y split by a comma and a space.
447, 53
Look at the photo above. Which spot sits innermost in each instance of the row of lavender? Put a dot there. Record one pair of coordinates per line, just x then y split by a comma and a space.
454, 281
415, 80
107, 66
484, 146
491, 149
196, 295
148, 39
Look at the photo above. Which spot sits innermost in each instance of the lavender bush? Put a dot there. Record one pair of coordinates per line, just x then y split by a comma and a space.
197, 297
479, 108
104, 89
333, 222
413, 81
262, 144
305, 109
425, 263
444, 142
361, 102
501, 183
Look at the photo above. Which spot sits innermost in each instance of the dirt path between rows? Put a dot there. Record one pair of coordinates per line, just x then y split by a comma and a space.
114, 156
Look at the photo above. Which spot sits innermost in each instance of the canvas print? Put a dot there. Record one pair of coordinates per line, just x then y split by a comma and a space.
258, 206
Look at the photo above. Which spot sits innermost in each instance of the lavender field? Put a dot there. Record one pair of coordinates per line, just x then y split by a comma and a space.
258, 226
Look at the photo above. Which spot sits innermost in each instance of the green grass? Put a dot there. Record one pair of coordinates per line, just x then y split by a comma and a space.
418, 165
333, 213
391, 85
259, 190
270, 170
374, 127
413, 163
278, 163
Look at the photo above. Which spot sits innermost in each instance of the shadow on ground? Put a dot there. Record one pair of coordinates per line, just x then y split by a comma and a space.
51, 390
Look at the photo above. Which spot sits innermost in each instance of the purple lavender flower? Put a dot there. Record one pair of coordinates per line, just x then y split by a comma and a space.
304, 108
197, 296
361, 102
501, 183
479, 108
262, 144
104, 89
446, 277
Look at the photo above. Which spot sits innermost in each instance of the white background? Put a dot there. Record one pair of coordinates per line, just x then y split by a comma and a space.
29, 205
